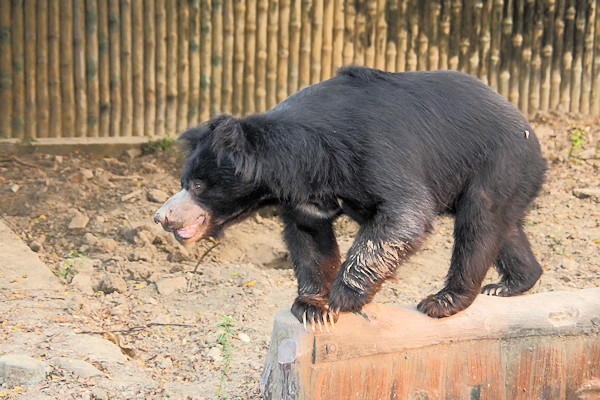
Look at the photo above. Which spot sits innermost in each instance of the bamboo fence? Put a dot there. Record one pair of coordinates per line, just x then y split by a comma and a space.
93, 68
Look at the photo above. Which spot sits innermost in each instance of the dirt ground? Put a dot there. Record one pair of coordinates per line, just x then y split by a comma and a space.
131, 283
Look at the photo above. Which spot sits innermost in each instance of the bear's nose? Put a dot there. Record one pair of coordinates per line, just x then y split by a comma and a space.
159, 217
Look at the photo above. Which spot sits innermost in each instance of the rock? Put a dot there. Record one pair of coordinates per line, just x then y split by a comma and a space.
87, 173
90, 239
58, 159
133, 153
128, 233
157, 196
78, 221
36, 246
584, 193
132, 196
77, 304
110, 283
78, 367
244, 338
141, 255
13, 187
77, 177
139, 271
178, 255
107, 245
215, 354
89, 346
167, 286
119, 309
18, 369
83, 283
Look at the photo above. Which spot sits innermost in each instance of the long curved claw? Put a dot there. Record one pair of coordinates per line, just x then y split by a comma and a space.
304, 320
320, 327
324, 316
331, 320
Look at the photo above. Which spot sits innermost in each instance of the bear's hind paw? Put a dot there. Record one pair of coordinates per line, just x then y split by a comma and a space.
443, 304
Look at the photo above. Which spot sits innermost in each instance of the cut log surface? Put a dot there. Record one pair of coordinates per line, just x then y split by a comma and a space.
536, 346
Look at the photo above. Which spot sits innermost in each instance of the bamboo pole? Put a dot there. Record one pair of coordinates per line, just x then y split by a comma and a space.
555, 78
104, 76
588, 52
402, 29
172, 68
250, 58
338, 35
138, 67
455, 35
304, 63
228, 32
567, 57
262, 19
79, 46
495, 45
423, 40
316, 41
370, 32
66, 68
433, 17
485, 42
30, 70
271, 75
114, 21
295, 11
391, 19
183, 65
444, 34
536, 60
349, 19
577, 71
91, 40
595, 93
545, 69
515, 60
475, 42
505, 50
195, 49
150, 45
6, 76
216, 75
360, 33
327, 47
161, 68
525, 67
126, 70
238, 56
54, 94
43, 105
412, 12
465, 36
206, 61
284, 50
380, 36
18, 58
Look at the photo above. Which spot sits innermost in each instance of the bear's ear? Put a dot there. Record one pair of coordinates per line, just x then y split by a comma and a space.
230, 140
189, 139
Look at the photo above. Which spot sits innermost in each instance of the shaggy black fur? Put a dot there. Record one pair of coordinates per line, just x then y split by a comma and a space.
392, 151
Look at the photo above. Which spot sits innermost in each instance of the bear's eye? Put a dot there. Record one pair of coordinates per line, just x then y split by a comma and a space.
197, 185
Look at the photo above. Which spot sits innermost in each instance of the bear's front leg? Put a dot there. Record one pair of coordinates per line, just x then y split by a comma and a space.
316, 260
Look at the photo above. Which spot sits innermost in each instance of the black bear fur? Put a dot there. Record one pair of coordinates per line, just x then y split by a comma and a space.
390, 150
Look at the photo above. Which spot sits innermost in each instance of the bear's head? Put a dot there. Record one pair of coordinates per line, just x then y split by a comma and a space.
218, 184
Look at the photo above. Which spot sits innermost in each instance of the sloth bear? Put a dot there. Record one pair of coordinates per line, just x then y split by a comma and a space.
391, 151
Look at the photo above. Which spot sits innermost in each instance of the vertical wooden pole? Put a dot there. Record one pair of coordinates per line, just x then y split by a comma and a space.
327, 48
284, 52
577, 70
104, 75
79, 52
126, 71
195, 50
515, 61
391, 19
588, 53
567, 57
536, 58
505, 50
6, 76
138, 67
114, 26
444, 33
183, 66
455, 35
495, 45
91, 40
272, 48
545, 69
422, 38
172, 68
262, 19
349, 20
412, 11
338, 36
294, 58
43, 105
249, 58
476, 41
216, 75
467, 27
380, 36
30, 70
360, 39
525, 67
228, 32
402, 29
54, 93
595, 92
433, 52
150, 45
18, 58
555, 78
161, 68
206, 60
485, 42
66, 68
370, 32
238, 56
316, 41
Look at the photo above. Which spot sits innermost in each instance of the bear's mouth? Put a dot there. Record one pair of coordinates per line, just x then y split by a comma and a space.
191, 233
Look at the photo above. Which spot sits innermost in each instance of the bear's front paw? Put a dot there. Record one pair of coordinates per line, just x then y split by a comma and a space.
344, 298
444, 304
313, 310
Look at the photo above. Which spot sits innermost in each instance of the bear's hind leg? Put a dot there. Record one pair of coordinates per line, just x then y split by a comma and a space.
517, 265
316, 259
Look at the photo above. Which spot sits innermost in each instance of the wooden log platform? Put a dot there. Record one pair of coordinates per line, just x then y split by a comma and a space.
540, 346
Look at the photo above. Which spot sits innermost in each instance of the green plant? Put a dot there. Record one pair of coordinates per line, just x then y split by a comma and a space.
153, 146
226, 330
73, 259
577, 139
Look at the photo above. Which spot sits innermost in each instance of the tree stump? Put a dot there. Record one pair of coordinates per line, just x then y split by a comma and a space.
541, 346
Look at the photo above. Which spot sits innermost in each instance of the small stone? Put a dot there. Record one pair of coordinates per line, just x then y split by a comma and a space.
157, 196
244, 338
36, 246
584, 193
83, 283
139, 271
178, 255
90, 239
16, 369
13, 187
59, 159
128, 233
86, 173
78, 221
107, 245
110, 283
119, 309
77, 177
133, 153
78, 367
215, 354
167, 286
132, 197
